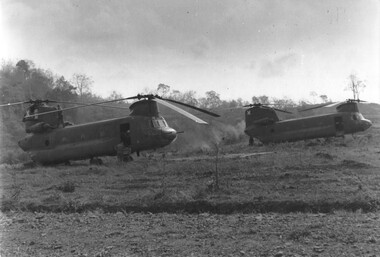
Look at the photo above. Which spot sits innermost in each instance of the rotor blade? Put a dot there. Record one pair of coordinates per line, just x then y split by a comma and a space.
82, 106
258, 104
188, 105
64, 102
320, 106
279, 110
181, 111
333, 104
11, 104
267, 107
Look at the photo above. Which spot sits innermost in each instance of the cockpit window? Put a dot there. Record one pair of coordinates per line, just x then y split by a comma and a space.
159, 122
357, 116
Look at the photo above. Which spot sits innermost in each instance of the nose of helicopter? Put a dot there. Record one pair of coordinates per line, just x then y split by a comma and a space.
169, 134
366, 124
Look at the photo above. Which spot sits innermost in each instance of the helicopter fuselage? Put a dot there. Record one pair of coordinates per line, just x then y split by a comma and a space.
99, 138
269, 130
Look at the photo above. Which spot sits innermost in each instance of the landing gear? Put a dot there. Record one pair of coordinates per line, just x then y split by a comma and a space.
96, 161
127, 158
123, 153
250, 143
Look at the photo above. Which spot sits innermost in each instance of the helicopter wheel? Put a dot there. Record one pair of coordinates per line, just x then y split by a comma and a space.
96, 161
127, 158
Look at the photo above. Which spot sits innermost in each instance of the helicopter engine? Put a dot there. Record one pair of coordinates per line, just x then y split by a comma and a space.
35, 123
144, 107
260, 115
348, 106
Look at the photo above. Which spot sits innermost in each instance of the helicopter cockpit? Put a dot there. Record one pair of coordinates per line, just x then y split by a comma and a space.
158, 122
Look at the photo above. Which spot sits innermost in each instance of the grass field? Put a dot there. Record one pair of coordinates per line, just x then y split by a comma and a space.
341, 174
310, 193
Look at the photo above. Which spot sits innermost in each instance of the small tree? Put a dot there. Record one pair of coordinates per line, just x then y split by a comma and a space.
115, 95
83, 83
255, 100
313, 95
212, 99
263, 99
163, 89
62, 90
324, 98
355, 85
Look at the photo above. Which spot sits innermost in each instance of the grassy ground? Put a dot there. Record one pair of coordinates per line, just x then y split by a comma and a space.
295, 177
267, 205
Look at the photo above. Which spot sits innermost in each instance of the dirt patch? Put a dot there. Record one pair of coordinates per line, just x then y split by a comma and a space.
324, 156
355, 164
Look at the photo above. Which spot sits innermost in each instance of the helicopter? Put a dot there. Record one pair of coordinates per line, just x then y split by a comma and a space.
262, 123
51, 140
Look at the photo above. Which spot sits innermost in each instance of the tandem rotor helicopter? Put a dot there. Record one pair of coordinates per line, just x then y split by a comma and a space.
51, 140
262, 123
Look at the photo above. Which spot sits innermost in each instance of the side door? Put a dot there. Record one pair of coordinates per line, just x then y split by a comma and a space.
339, 126
125, 134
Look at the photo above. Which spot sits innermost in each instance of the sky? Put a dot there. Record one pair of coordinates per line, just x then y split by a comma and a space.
238, 48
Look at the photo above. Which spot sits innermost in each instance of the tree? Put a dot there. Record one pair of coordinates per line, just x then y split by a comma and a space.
163, 89
63, 90
24, 69
23, 65
264, 99
212, 99
324, 98
189, 97
284, 103
115, 95
83, 84
355, 85
313, 95
303, 102
255, 99
175, 95
41, 82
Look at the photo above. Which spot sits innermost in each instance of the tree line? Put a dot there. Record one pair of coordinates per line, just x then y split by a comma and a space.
24, 81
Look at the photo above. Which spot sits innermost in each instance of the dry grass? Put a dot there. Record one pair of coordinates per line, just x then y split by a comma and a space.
275, 204
340, 174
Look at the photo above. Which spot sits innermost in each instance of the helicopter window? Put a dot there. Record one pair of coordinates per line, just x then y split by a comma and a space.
162, 123
154, 123
357, 116
158, 123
